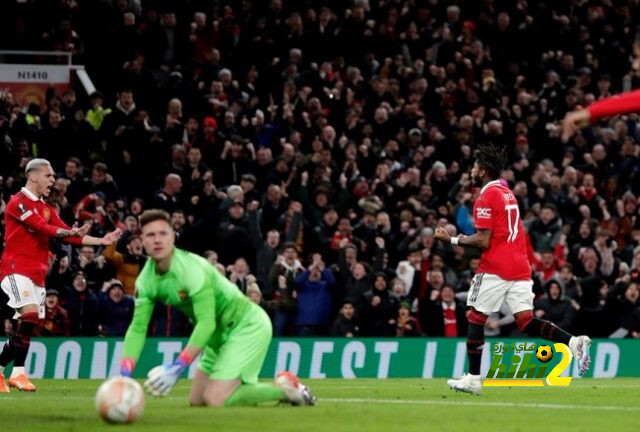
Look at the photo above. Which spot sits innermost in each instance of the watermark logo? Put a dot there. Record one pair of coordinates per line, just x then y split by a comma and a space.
524, 364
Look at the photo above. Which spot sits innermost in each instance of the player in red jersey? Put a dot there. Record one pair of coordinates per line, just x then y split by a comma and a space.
29, 225
504, 274
620, 104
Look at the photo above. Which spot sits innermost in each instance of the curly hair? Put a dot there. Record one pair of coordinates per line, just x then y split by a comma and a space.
492, 159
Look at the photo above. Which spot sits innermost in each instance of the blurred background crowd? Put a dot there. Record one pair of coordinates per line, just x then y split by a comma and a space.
309, 148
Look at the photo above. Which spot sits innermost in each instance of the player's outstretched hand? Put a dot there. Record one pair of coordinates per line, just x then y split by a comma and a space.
442, 234
76, 231
161, 379
573, 122
112, 237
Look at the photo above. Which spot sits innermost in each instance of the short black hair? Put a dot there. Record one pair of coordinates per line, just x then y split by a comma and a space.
492, 159
290, 245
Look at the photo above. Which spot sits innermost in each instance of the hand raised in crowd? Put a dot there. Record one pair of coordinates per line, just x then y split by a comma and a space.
253, 206
296, 207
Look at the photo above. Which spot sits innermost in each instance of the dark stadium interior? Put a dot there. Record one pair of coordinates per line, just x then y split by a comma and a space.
275, 130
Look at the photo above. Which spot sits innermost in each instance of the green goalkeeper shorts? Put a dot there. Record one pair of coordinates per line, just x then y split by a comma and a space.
241, 355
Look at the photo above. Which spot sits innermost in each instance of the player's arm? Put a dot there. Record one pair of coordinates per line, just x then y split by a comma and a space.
608, 107
484, 213
78, 236
136, 333
479, 240
162, 378
28, 217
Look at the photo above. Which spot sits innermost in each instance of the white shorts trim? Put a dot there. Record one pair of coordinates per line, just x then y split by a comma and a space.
489, 291
22, 291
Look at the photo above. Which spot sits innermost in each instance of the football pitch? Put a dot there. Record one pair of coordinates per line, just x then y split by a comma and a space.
348, 405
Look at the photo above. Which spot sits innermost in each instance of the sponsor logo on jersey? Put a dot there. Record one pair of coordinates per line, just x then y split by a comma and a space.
483, 212
508, 197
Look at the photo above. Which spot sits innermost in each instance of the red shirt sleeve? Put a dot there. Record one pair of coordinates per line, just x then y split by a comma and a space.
25, 214
55, 220
620, 104
482, 212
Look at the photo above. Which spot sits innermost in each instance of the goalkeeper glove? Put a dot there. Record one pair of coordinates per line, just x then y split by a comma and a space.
161, 379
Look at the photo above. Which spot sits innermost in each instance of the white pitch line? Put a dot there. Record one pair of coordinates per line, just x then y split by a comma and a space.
397, 402
484, 404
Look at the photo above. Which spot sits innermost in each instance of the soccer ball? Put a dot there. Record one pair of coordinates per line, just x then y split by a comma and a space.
544, 353
120, 400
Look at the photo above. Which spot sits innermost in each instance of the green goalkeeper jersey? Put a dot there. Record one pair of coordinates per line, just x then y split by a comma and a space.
213, 303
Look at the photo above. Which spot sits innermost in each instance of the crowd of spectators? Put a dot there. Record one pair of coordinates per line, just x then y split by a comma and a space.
308, 149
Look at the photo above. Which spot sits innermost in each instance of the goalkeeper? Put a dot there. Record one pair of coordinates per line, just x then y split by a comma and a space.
231, 332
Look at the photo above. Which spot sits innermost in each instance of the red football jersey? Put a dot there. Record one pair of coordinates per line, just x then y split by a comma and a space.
29, 225
497, 209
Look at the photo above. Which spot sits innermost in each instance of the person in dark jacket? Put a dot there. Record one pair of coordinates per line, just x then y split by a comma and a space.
82, 305
546, 229
378, 309
314, 287
622, 308
554, 306
346, 324
266, 250
445, 314
233, 240
282, 276
60, 276
115, 309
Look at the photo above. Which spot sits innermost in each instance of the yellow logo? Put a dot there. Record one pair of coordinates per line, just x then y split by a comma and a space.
522, 371
544, 353
46, 214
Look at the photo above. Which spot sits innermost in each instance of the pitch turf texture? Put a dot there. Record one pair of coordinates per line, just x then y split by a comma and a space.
348, 405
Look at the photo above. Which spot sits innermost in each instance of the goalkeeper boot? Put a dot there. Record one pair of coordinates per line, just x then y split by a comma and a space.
467, 383
22, 383
296, 393
579, 346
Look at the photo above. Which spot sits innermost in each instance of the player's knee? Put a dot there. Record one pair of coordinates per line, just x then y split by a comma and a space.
476, 317
196, 400
28, 310
214, 400
30, 317
523, 319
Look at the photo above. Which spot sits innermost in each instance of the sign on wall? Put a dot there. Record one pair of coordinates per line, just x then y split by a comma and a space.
312, 358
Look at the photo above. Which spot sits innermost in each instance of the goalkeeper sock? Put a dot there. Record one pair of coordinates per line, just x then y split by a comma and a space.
22, 338
254, 394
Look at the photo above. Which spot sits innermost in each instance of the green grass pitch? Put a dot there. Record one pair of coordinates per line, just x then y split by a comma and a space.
347, 405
